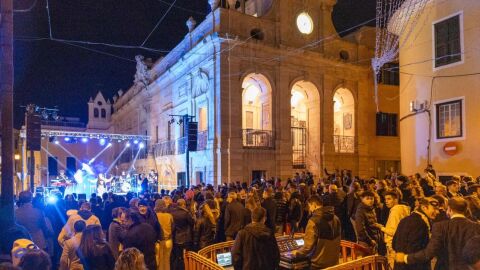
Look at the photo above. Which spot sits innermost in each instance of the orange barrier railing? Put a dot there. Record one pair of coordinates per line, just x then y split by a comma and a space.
194, 261
375, 262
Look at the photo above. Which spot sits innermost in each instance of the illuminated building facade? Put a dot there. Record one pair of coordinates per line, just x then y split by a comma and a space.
439, 98
274, 90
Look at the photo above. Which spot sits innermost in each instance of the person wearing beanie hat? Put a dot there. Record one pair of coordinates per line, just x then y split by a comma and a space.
20, 247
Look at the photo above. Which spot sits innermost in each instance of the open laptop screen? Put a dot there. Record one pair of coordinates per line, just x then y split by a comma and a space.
224, 259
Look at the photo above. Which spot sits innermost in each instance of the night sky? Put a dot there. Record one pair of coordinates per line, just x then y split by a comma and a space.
52, 73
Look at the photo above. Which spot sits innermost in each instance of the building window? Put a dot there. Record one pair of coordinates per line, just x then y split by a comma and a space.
104, 113
448, 46
449, 119
386, 124
202, 119
95, 113
389, 74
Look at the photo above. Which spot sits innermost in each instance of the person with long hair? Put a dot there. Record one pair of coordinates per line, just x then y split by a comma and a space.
130, 259
164, 246
94, 252
205, 227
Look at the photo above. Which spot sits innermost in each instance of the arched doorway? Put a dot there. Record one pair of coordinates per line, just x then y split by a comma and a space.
257, 111
344, 121
305, 126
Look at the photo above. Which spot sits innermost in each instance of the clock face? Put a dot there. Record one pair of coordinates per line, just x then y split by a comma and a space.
304, 23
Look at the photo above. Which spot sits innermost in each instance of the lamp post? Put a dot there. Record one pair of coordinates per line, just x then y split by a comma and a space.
190, 129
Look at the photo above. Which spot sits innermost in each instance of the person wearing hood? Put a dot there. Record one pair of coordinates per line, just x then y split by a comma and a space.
255, 246
85, 214
322, 235
148, 216
397, 213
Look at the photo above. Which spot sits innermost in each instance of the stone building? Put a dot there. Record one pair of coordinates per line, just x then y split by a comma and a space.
274, 89
439, 76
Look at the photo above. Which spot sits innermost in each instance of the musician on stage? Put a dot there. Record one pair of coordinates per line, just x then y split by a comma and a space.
144, 184
102, 183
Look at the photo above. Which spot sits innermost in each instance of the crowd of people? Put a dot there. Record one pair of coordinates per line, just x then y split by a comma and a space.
417, 222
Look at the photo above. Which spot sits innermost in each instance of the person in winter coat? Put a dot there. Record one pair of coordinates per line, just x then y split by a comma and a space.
142, 236
368, 234
322, 235
85, 214
413, 233
397, 213
281, 212
447, 240
295, 212
69, 258
148, 216
164, 246
271, 206
205, 228
117, 229
234, 216
255, 246
183, 232
94, 252
33, 220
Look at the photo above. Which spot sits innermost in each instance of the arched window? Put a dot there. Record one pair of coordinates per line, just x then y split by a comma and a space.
257, 111
95, 112
104, 113
344, 121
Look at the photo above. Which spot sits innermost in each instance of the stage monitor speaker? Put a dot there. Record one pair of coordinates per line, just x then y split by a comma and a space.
192, 136
82, 196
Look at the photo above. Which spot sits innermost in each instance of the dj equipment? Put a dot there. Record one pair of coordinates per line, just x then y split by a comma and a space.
287, 244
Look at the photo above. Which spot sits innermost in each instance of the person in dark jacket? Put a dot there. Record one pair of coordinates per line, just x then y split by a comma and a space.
142, 236
295, 212
183, 233
117, 229
413, 233
368, 234
148, 216
205, 228
282, 211
234, 216
322, 235
448, 239
94, 252
255, 246
33, 219
271, 206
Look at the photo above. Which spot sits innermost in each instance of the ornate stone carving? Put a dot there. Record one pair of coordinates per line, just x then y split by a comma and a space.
142, 76
191, 24
200, 83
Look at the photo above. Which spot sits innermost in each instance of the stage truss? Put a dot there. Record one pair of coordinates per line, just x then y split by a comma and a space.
91, 135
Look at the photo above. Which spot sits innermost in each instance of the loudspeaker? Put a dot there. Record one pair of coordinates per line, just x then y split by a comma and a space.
192, 136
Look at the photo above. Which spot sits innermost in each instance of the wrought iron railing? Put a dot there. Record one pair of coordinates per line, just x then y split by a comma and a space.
165, 148
299, 143
181, 145
344, 144
202, 138
256, 138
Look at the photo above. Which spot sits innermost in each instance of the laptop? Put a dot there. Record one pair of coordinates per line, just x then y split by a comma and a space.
225, 260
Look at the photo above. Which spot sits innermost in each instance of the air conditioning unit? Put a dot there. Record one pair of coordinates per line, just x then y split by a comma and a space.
413, 106
416, 106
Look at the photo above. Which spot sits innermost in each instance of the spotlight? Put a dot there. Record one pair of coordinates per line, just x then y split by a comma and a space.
109, 144
67, 139
56, 142
135, 141
45, 114
84, 139
102, 141
141, 145
119, 141
127, 144
51, 199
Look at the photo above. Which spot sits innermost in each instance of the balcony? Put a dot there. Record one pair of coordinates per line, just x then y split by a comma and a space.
202, 138
164, 148
344, 144
255, 138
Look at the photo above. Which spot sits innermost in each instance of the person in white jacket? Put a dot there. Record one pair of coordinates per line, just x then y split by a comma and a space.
397, 213
85, 214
